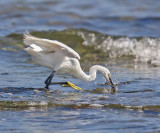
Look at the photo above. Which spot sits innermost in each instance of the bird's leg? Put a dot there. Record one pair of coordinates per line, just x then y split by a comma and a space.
49, 79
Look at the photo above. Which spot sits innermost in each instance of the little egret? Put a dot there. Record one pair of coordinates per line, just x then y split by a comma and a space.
61, 59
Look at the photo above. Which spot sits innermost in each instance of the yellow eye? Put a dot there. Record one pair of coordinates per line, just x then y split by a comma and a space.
109, 75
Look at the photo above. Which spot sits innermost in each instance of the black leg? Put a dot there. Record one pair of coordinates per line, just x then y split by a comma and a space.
49, 79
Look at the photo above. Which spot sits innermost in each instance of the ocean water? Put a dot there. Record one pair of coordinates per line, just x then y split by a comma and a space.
121, 35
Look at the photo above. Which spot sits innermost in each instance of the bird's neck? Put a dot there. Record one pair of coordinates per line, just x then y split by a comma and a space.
92, 73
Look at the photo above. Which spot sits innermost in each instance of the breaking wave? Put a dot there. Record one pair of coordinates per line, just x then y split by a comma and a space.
143, 49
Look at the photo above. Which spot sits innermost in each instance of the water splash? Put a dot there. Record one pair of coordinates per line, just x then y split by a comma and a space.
143, 49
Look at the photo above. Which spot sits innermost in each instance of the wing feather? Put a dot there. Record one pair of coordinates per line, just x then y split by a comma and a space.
49, 45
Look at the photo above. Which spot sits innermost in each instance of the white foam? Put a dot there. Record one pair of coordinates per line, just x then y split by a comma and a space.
144, 49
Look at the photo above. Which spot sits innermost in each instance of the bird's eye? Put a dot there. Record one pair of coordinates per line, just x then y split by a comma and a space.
109, 75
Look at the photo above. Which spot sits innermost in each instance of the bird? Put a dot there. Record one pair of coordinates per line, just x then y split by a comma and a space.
61, 59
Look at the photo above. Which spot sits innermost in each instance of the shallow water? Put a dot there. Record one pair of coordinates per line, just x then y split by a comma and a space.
91, 28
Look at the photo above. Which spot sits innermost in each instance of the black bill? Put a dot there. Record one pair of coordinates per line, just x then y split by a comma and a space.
114, 89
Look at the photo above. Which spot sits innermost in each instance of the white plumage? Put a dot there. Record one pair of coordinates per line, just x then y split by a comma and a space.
60, 59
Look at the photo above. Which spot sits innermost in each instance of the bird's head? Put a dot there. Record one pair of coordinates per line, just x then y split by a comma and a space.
107, 76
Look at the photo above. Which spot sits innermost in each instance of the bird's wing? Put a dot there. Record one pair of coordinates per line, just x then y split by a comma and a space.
49, 45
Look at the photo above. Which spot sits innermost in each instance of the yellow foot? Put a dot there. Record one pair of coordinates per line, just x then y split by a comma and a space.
73, 86
66, 85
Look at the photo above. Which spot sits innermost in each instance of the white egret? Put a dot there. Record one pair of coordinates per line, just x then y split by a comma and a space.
61, 59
